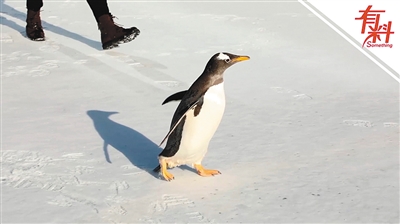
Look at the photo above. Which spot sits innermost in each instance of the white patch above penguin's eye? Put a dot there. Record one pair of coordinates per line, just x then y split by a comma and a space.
223, 56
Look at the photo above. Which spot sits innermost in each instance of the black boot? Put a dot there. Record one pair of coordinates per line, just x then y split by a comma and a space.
112, 35
34, 29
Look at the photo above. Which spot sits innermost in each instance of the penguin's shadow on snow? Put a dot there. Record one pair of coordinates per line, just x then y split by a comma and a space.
140, 150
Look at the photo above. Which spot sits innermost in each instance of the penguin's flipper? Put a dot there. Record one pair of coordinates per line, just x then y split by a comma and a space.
175, 97
183, 114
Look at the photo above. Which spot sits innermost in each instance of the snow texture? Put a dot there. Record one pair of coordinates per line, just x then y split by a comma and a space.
310, 132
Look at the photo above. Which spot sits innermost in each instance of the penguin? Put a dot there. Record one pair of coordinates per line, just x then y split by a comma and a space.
196, 118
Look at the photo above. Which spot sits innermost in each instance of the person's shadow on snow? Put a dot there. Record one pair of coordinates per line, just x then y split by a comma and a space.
8, 10
140, 150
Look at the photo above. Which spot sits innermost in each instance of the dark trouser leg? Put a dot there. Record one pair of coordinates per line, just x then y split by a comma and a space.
98, 7
34, 5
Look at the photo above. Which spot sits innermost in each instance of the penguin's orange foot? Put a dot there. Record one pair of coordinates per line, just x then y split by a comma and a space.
205, 173
163, 166
167, 176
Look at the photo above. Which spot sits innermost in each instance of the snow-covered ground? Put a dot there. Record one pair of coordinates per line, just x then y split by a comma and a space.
310, 132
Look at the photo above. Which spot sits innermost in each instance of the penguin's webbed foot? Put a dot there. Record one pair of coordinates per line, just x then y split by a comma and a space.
204, 172
167, 176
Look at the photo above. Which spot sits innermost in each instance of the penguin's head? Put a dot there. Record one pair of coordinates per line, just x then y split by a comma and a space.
221, 61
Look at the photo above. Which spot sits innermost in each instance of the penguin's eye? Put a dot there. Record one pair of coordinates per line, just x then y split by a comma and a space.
227, 60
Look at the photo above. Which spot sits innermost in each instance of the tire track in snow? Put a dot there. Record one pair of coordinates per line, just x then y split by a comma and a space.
148, 68
102, 65
297, 95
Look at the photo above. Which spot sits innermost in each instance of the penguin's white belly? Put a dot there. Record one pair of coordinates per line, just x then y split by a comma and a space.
198, 130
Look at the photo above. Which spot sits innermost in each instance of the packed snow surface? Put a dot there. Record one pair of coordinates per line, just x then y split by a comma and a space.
310, 131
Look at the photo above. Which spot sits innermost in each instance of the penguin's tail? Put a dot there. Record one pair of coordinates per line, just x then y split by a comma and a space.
157, 169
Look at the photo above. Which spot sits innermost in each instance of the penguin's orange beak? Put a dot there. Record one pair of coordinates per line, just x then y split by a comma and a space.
241, 58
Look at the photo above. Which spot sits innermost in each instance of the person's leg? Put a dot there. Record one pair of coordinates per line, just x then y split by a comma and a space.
34, 5
34, 29
111, 34
99, 8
